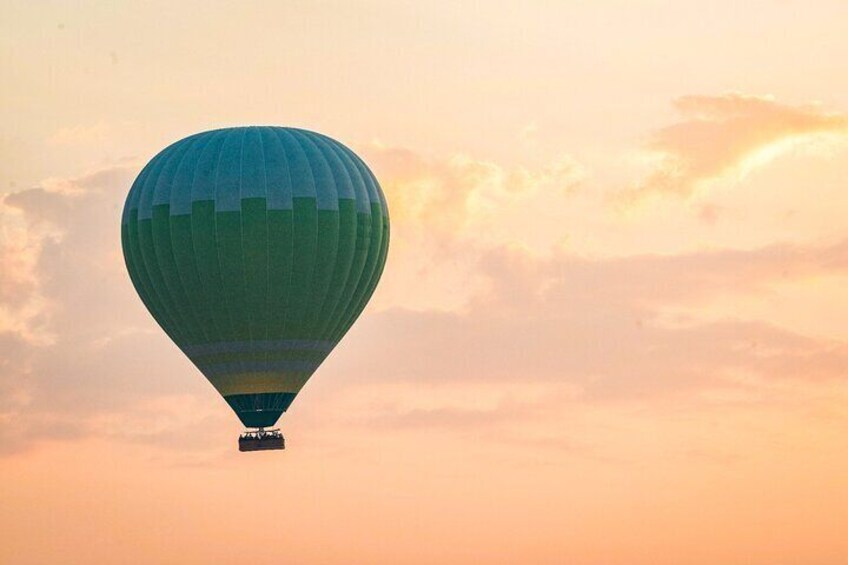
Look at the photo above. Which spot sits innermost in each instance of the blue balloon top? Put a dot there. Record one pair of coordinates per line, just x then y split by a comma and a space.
276, 163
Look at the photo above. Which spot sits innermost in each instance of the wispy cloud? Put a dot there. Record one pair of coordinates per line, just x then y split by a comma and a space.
459, 193
597, 324
731, 134
446, 211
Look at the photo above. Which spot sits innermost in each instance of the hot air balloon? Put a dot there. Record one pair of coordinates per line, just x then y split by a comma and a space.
256, 249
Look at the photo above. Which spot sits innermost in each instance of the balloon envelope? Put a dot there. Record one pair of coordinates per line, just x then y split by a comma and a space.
255, 249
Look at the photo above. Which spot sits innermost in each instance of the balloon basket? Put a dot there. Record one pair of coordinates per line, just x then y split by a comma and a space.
261, 440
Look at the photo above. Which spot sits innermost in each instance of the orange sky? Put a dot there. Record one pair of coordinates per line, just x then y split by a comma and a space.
622, 344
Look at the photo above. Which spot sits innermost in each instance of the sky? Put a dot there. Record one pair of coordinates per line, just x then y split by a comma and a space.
610, 327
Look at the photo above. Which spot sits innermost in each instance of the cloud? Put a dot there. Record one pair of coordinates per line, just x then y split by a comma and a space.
557, 335
447, 211
536, 333
731, 134
22, 303
460, 194
75, 342
62, 253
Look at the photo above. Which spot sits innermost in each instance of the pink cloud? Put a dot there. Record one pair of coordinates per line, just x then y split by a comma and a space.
68, 283
722, 134
585, 333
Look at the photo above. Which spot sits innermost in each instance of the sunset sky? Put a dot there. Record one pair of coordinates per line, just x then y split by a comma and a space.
611, 329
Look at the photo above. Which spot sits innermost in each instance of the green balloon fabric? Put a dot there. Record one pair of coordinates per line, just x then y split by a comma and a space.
256, 249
